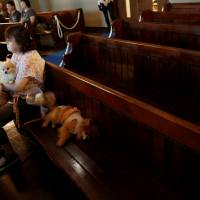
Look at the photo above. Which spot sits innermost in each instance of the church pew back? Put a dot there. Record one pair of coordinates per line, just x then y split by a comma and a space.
185, 8
176, 35
170, 17
163, 76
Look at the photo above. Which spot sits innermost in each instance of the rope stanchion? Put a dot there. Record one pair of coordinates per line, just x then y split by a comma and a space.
60, 25
68, 50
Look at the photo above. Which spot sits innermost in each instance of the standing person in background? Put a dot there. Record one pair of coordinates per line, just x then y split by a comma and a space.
106, 6
14, 14
28, 15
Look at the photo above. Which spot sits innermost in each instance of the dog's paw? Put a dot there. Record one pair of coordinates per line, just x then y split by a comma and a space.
60, 142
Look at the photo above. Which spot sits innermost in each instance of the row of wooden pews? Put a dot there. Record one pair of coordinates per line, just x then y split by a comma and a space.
164, 76
170, 17
175, 35
176, 26
144, 100
182, 7
134, 157
146, 111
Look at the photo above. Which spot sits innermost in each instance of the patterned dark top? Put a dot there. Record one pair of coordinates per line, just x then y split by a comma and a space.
15, 17
25, 16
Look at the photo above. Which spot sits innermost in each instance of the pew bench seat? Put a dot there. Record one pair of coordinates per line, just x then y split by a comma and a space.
98, 169
140, 152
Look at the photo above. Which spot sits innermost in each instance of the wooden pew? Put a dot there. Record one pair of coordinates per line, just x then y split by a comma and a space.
133, 136
49, 27
176, 35
170, 17
163, 76
185, 8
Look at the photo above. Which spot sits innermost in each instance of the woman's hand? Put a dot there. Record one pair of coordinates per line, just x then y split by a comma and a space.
1, 87
17, 87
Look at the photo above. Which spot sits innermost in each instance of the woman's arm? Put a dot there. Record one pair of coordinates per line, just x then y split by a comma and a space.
32, 19
16, 87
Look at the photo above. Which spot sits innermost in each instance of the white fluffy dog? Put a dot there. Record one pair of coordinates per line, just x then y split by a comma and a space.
7, 72
7, 76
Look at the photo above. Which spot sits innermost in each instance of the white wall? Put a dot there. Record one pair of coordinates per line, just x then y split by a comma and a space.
93, 17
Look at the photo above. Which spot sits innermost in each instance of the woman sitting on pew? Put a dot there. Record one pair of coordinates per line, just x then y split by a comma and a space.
29, 75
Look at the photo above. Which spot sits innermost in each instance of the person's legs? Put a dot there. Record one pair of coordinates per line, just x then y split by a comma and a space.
110, 8
105, 13
6, 115
7, 155
7, 160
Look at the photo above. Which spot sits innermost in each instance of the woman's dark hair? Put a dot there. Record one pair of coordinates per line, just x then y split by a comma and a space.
27, 2
21, 36
11, 3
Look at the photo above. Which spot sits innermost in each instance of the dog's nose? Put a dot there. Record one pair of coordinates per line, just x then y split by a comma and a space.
6, 72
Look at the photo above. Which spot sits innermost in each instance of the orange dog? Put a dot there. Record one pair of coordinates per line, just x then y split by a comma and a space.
72, 123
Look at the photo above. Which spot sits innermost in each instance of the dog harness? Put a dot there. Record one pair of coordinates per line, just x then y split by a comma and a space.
69, 111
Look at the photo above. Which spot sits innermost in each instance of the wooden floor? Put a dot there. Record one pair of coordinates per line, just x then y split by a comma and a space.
35, 177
